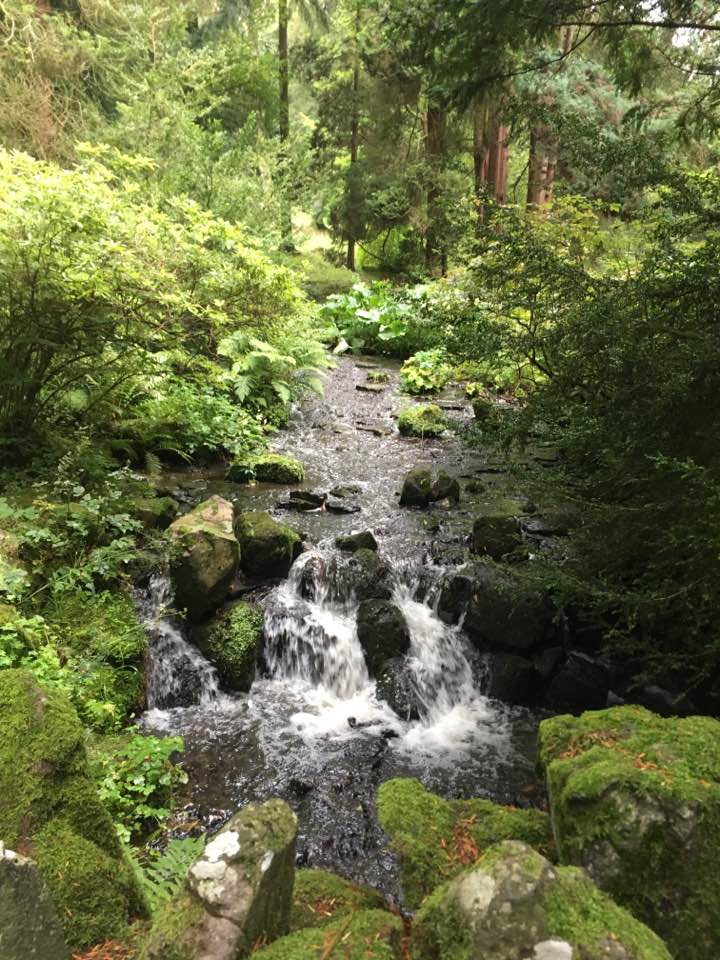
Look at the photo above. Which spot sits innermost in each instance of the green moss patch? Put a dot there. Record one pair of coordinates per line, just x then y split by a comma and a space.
231, 641
635, 799
422, 420
268, 468
365, 935
267, 548
50, 810
436, 839
321, 898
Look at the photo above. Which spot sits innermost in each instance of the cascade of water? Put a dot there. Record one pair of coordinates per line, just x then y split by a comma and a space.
178, 675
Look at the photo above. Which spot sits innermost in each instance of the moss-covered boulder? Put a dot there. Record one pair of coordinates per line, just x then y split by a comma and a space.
268, 468
267, 548
50, 812
363, 540
321, 898
154, 512
635, 799
365, 935
30, 928
207, 557
435, 838
416, 488
515, 905
422, 420
237, 894
495, 536
231, 640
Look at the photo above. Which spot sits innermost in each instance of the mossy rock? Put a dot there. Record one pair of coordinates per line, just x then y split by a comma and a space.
364, 935
422, 420
515, 905
50, 811
267, 548
231, 642
207, 557
364, 540
435, 838
378, 376
635, 799
321, 898
268, 468
154, 512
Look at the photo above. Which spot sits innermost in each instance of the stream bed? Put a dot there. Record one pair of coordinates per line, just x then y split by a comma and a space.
312, 730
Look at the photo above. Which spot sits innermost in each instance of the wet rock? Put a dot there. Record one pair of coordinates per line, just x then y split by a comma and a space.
422, 420
368, 577
425, 831
506, 612
445, 487
635, 800
344, 491
582, 683
548, 661
376, 429
495, 536
304, 501
662, 701
382, 631
455, 596
547, 525
231, 642
313, 577
29, 924
515, 905
268, 468
267, 548
341, 507
514, 679
416, 488
237, 894
370, 387
395, 687
49, 805
364, 540
207, 557
378, 376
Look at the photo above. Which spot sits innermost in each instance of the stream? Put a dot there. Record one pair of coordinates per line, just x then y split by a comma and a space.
312, 730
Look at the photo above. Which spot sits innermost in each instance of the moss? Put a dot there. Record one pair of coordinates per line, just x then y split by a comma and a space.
95, 893
436, 839
268, 468
321, 898
168, 938
636, 799
103, 625
366, 935
267, 548
422, 420
231, 641
47, 797
581, 914
378, 376
154, 512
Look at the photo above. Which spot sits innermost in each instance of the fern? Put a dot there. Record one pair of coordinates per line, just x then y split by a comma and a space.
161, 875
153, 464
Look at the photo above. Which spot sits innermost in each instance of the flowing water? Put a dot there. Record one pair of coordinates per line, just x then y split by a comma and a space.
313, 729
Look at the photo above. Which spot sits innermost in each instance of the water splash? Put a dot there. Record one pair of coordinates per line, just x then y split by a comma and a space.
178, 675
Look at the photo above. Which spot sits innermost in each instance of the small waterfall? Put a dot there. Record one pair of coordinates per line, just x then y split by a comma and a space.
178, 675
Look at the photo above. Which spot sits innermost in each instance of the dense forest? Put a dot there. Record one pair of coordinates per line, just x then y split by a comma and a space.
359, 479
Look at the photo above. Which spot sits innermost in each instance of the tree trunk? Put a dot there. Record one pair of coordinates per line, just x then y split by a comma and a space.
284, 119
435, 136
490, 154
354, 137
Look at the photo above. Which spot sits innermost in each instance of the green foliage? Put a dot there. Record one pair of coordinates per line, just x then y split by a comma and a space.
137, 781
426, 372
422, 420
161, 873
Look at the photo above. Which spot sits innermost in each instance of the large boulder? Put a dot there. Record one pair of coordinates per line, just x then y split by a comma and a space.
29, 925
514, 679
416, 488
382, 631
361, 935
207, 557
352, 542
495, 536
267, 548
394, 685
231, 641
422, 420
435, 839
50, 811
366, 576
237, 894
321, 898
515, 905
505, 611
581, 683
635, 799
154, 512
445, 487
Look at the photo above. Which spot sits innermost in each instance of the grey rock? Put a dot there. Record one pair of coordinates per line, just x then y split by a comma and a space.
29, 925
382, 631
